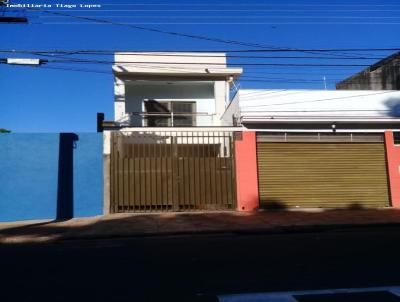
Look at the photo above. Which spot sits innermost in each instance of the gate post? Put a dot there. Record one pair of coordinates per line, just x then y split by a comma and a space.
107, 141
393, 163
246, 171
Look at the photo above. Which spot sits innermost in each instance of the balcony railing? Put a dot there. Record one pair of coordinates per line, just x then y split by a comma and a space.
165, 119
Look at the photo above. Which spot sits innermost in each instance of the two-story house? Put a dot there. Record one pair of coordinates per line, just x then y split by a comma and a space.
168, 149
172, 89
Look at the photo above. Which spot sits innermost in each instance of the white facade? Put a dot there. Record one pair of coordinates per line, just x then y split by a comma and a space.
203, 80
277, 109
199, 78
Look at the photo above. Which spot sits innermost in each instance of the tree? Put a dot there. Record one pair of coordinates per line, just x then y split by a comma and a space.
2, 130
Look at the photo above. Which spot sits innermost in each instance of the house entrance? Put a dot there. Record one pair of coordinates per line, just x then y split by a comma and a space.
172, 171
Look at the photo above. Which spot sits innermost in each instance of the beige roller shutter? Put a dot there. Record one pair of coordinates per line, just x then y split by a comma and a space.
322, 174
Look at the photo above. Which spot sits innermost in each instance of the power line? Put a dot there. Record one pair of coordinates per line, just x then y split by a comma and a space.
173, 64
319, 100
93, 71
166, 52
279, 57
236, 16
155, 30
101, 72
329, 110
267, 93
183, 68
253, 4
255, 95
287, 81
250, 72
169, 4
108, 72
215, 10
144, 65
262, 92
201, 68
240, 16
51, 54
284, 79
63, 68
251, 78
222, 23
189, 55
172, 33
211, 11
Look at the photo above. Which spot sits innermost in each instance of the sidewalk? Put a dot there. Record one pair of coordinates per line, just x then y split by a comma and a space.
131, 225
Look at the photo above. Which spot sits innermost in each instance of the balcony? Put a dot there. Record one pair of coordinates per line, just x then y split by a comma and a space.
162, 119
166, 119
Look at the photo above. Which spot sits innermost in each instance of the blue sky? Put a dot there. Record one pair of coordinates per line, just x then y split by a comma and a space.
43, 99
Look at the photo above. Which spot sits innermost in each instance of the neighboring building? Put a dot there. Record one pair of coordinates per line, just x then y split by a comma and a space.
384, 75
319, 148
314, 110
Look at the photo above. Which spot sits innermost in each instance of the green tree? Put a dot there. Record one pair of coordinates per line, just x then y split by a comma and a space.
2, 130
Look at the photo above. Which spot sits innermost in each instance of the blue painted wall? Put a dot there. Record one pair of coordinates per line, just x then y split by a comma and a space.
30, 182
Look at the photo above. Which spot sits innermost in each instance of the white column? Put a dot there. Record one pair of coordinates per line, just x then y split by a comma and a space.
119, 101
220, 100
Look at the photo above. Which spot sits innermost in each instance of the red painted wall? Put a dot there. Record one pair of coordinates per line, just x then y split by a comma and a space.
246, 172
393, 161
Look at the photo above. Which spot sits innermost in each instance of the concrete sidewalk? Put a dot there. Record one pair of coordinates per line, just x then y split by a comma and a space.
130, 225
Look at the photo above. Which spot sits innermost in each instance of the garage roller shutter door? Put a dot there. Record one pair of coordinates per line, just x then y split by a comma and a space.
329, 175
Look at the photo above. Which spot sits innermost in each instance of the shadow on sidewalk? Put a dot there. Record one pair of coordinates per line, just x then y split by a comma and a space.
125, 225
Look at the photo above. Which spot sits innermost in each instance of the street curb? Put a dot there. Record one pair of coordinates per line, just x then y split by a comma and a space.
278, 230
259, 231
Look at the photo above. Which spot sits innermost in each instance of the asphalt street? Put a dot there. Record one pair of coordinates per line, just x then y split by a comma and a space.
193, 268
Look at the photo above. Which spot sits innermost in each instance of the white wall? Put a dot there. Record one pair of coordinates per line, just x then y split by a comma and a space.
330, 104
202, 93
146, 75
221, 98
166, 62
119, 98
231, 112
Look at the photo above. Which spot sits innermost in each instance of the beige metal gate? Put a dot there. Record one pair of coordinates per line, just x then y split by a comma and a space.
172, 171
322, 170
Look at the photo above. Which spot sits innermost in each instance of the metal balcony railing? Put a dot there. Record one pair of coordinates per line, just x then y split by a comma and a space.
166, 119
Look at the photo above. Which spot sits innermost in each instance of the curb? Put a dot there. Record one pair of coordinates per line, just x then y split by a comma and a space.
292, 229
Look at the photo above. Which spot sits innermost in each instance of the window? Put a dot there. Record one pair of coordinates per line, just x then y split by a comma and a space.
182, 108
170, 113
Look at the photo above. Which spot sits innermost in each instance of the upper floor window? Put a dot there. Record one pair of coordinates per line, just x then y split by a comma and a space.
170, 113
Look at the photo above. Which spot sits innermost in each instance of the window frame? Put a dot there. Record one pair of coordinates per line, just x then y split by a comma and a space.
169, 104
